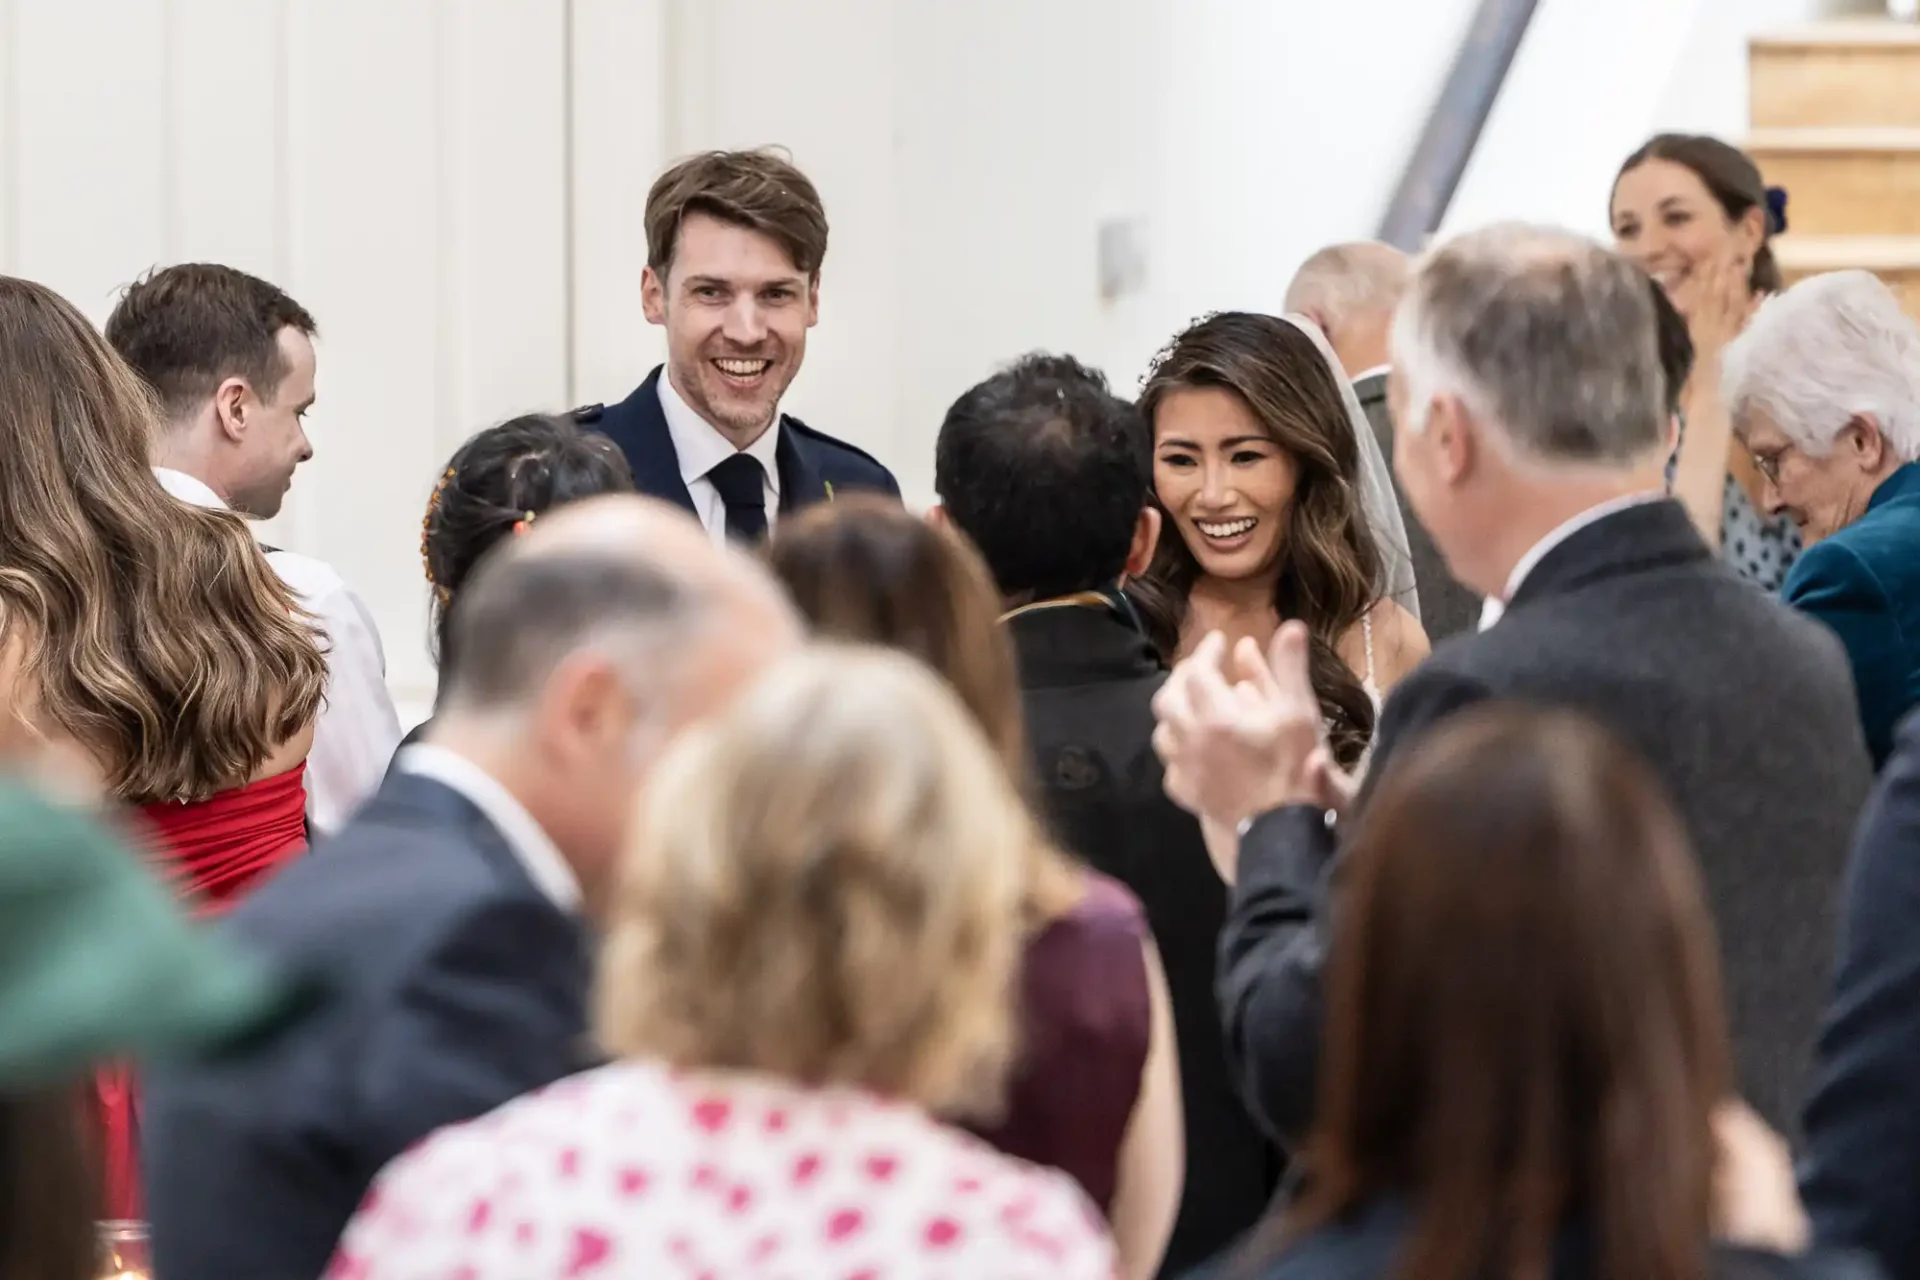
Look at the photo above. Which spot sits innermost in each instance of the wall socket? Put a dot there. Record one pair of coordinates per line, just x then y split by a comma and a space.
1122, 249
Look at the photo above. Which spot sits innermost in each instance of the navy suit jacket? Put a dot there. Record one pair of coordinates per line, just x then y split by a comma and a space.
1861, 1177
813, 466
455, 985
1864, 582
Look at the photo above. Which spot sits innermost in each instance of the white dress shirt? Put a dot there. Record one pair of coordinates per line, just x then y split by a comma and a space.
700, 449
545, 865
357, 729
1493, 608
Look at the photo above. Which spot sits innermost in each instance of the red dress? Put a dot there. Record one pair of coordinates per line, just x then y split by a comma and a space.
210, 852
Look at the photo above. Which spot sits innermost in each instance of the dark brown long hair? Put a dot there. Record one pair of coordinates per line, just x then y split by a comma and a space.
152, 632
1524, 1020
1329, 570
1734, 181
866, 570
48, 1201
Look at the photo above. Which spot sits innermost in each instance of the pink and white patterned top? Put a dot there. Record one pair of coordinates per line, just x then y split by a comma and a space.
632, 1170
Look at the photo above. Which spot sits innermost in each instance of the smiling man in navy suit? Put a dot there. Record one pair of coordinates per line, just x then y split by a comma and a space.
734, 245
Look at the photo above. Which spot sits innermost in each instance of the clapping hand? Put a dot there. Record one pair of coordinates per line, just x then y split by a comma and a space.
1244, 733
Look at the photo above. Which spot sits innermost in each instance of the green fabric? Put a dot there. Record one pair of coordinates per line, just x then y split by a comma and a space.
98, 961
1864, 583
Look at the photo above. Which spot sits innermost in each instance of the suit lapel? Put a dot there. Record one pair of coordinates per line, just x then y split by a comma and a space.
413, 799
656, 467
1637, 539
801, 484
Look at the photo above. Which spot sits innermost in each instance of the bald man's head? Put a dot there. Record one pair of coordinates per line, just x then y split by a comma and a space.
582, 649
1350, 291
628, 574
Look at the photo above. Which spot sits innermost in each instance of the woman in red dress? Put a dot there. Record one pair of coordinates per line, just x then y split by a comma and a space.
148, 636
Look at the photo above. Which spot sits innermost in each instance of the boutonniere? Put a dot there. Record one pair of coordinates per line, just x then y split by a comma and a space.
829, 485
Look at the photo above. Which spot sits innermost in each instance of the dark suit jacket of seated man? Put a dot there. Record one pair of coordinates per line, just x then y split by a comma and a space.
812, 465
1864, 582
458, 983
1745, 711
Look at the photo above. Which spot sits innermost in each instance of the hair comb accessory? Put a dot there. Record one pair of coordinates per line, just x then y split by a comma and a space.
521, 525
1165, 353
1776, 210
426, 521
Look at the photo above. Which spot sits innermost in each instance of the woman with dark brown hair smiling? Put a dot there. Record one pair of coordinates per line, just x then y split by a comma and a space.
1258, 465
1695, 212
1526, 1062
1095, 1090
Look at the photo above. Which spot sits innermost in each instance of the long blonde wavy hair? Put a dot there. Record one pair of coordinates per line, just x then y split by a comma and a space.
151, 632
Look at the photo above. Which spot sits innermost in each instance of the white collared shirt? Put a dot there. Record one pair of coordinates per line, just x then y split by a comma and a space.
545, 865
701, 448
1378, 371
1493, 608
357, 729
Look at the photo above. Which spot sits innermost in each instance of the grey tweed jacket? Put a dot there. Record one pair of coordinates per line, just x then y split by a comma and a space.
1744, 709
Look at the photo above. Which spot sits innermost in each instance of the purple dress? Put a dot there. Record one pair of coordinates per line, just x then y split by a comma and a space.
1086, 1020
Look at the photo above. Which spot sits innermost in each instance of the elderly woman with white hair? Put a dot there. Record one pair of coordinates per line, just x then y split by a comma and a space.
1824, 390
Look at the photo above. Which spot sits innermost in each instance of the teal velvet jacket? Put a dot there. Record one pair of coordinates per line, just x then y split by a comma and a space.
1864, 582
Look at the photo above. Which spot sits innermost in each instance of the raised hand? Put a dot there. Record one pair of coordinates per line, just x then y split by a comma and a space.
1721, 299
1239, 733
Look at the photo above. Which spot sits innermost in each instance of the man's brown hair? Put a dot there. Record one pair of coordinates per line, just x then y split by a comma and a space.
188, 328
759, 190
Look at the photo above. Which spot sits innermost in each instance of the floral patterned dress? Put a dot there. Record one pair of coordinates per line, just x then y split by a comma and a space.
633, 1170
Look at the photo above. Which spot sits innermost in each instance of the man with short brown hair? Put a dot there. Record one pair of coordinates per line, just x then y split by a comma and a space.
230, 357
734, 245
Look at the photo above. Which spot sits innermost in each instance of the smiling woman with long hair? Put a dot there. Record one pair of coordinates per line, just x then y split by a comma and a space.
1256, 464
146, 635
1526, 1060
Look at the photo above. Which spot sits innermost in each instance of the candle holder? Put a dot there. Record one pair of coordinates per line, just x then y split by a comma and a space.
124, 1253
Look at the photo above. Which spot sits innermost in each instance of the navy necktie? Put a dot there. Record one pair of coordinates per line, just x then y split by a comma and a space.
742, 486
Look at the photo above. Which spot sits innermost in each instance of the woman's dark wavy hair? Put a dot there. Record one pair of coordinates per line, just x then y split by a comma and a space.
1330, 564
1734, 181
502, 476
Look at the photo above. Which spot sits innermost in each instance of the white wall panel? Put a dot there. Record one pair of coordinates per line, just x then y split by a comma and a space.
503, 310
226, 113
621, 81
91, 152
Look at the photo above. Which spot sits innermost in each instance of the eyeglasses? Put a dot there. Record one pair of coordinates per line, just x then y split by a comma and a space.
1768, 463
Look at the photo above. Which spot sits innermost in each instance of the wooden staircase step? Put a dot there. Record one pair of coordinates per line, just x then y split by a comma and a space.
1862, 72
1858, 180
1895, 259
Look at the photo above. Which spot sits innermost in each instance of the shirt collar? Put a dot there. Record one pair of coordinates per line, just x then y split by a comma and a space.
189, 489
545, 864
1378, 371
701, 448
1495, 607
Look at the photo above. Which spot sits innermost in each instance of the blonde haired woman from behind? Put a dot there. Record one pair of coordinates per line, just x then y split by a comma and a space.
813, 953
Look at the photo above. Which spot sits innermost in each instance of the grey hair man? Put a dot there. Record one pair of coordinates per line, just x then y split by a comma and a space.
1824, 390
1529, 388
1351, 292
450, 919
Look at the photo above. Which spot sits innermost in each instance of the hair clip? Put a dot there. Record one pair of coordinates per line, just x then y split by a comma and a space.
1776, 210
522, 525
426, 521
